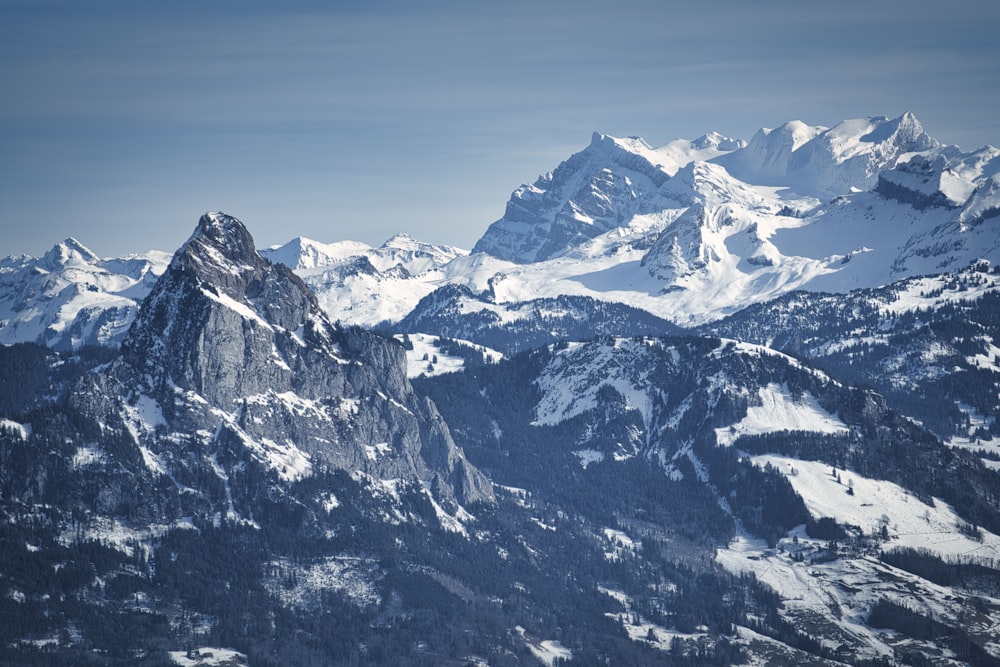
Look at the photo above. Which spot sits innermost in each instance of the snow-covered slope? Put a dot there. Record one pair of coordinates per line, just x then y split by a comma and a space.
830, 493
69, 297
694, 230
930, 344
690, 232
358, 284
593, 192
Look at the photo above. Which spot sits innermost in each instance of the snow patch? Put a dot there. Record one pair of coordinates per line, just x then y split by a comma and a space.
547, 651
776, 411
21, 430
209, 657
245, 311
588, 456
290, 462
377, 451
872, 504
90, 455
302, 584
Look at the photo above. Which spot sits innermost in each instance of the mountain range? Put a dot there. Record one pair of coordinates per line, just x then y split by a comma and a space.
715, 402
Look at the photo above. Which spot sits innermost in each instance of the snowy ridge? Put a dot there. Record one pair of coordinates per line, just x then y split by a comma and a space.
690, 232
358, 284
695, 230
69, 297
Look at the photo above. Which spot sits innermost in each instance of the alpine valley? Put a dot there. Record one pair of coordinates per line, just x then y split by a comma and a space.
718, 402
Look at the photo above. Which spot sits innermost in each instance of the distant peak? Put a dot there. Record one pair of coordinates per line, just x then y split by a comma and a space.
69, 251
905, 130
402, 238
718, 141
609, 143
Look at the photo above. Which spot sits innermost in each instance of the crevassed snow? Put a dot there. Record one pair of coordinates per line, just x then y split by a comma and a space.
776, 410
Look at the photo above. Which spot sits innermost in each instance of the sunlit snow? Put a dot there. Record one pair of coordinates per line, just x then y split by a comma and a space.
775, 409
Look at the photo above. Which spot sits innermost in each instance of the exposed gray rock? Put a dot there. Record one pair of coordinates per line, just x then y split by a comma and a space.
232, 359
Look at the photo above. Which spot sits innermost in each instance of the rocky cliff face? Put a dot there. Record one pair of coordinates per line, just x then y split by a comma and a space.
595, 190
231, 359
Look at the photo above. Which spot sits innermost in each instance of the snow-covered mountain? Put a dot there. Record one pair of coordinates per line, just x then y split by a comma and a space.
528, 460
806, 473
358, 284
690, 231
69, 297
695, 230
929, 344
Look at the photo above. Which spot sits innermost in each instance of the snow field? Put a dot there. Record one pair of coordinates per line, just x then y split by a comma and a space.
874, 503
776, 410
547, 651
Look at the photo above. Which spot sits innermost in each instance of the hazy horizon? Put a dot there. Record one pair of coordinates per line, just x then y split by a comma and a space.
124, 122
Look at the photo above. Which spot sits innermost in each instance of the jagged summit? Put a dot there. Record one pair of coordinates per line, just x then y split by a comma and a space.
224, 233
221, 251
238, 349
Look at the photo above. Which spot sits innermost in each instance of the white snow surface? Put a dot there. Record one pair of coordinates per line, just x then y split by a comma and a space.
207, 656
547, 651
841, 592
427, 359
21, 430
735, 224
775, 410
874, 503
572, 380
72, 297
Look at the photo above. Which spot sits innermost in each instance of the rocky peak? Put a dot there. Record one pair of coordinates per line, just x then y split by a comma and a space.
232, 345
905, 133
221, 253
596, 190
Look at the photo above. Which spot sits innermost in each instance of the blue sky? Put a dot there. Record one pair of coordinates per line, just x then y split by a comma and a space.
121, 122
